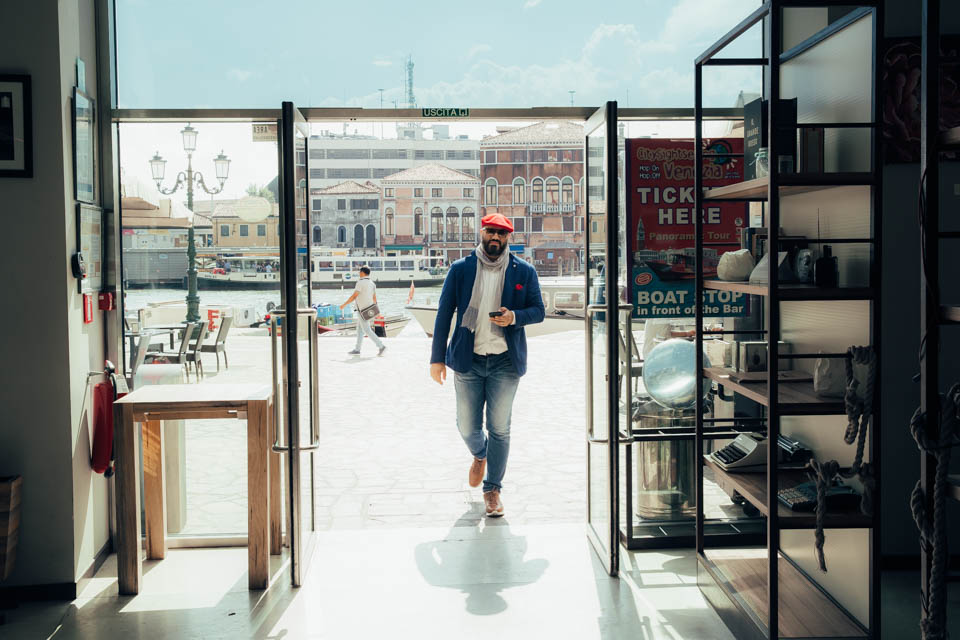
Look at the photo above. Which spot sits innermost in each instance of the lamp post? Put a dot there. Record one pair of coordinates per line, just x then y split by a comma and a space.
188, 177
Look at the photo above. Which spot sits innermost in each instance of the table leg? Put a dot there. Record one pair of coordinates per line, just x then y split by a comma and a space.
258, 494
126, 435
276, 483
154, 490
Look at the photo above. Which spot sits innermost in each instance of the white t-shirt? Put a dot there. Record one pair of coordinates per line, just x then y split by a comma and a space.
365, 290
485, 342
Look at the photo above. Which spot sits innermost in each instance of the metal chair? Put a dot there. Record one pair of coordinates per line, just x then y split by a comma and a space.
193, 355
220, 344
179, 356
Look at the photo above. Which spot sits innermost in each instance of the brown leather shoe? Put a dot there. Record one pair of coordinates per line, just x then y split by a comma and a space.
477, 467
491, 500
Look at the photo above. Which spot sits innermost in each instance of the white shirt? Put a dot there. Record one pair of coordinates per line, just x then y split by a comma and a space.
365, 290
485, 342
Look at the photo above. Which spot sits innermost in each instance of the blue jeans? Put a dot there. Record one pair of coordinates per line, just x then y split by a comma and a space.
493, 381
363, 327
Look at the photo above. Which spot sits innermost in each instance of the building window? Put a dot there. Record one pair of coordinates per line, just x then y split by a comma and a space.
388, 192
342, 234
490, 192
519, 191
342, 204
418, 192
453, 224
317, 204
316, 173
568, 223
468, 192
553, 191
536, 225
468, 220
302, 228
371, 237
261, 231
583, 194
224, 231
418, 221
244, 230
593, 227
489, 157
538, 155
567, 190
519, 225
578, 224
316, 235
536, 190
358, 236
552, 155
436, 155
519, 156
436, 222
388, 221
419, 155
436, 193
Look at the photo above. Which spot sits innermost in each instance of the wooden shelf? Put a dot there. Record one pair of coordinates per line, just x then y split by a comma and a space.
790, 184
753, 487
791, 292
950, 314
950, 139
804, 611
795, 398
954, 488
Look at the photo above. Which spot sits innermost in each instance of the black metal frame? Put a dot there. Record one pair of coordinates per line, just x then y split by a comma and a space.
770, 13
932, 313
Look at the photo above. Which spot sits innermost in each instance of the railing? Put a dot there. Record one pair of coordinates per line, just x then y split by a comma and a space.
543, 207
453, 237
436, 237
468, 237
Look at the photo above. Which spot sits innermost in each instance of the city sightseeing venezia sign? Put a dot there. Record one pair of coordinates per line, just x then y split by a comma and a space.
444, 112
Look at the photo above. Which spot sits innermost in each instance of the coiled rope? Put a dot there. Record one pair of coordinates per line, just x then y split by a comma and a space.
933, 539
859, 409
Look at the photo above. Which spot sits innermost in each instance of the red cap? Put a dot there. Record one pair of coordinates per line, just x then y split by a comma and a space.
496, 220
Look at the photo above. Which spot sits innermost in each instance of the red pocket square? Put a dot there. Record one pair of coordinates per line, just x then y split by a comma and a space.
519, 286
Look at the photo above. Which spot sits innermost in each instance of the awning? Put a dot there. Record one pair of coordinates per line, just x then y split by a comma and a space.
402, 247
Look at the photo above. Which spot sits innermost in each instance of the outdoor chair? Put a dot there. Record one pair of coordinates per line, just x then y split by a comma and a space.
179, 356
193, 353
220, 343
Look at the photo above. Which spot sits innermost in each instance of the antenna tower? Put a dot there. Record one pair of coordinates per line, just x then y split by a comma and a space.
408, 85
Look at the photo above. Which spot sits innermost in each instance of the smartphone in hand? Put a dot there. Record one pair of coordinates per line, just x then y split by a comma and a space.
496, 314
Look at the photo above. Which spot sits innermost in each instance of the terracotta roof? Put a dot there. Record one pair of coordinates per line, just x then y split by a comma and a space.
139, 204
545, 133
430, 172
346, 187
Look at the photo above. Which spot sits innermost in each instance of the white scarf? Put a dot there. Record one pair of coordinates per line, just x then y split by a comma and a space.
499, 265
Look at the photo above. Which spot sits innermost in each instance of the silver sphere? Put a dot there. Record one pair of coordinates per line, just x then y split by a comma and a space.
669, 373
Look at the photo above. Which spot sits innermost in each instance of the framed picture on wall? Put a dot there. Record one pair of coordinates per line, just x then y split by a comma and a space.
16, 127
90, 245
84, 158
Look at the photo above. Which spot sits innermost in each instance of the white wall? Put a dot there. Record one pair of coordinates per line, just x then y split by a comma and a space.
47, 350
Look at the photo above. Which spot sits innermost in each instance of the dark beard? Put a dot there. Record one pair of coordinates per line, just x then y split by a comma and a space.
493, 252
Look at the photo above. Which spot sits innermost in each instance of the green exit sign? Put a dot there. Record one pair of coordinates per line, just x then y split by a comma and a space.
445, 112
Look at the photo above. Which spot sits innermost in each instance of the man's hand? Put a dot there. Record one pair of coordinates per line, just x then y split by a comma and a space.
504, 320
438, 371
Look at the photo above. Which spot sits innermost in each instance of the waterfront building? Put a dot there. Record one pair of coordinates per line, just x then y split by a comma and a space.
338, 157
430, 210
534, 175
232, 231
346, 215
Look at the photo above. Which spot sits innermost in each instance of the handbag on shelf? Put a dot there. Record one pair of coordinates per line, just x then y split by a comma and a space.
368, 313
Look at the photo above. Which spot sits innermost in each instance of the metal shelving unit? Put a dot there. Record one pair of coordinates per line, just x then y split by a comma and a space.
760, 592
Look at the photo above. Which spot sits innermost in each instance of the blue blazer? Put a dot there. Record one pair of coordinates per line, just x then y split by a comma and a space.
521, 294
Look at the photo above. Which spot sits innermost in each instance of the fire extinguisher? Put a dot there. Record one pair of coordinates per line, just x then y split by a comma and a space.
104, 394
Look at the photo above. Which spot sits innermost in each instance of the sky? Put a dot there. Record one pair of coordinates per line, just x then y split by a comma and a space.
501, 53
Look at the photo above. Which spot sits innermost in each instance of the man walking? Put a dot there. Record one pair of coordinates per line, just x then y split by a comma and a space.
495, 295
365, 294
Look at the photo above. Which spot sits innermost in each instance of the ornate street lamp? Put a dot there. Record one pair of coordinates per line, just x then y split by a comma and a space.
222, 166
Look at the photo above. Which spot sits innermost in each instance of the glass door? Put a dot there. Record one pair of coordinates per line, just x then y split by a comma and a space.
298, 343
601, 326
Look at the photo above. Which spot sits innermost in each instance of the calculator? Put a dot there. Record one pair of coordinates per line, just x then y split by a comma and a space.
803, 497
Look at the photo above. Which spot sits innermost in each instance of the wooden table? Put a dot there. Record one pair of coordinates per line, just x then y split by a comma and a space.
149, 406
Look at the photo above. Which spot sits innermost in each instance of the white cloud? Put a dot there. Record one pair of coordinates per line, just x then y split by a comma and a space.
240, 75
530, 4
382, 62
477, 49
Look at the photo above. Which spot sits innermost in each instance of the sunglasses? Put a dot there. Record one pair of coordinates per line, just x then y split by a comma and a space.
503, 233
